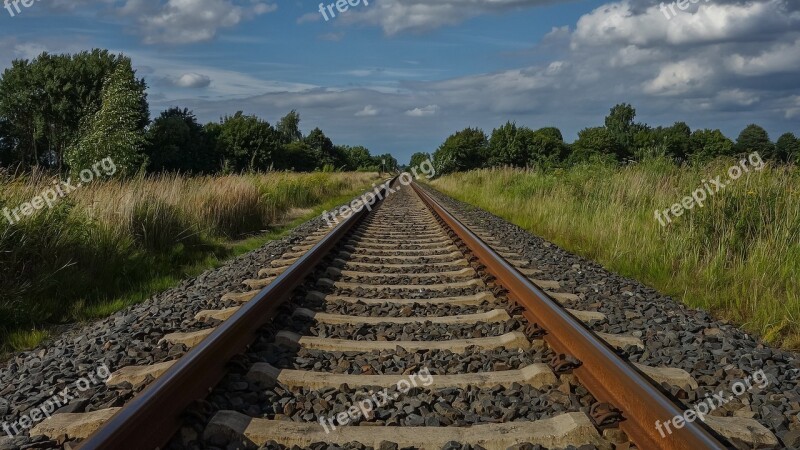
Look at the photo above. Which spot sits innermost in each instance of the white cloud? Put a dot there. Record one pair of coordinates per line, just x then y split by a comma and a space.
396, 16
192, 80
368, 111
423, 112
188, 21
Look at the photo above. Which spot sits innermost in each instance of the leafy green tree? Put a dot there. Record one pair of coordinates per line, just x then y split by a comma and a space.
289, 127
754, 139
705, 145
660, 141
177, 143
462, 151
358, 157
66, 91
114, 131
787, 149
593, 143
546, 147
419, 158
326, 153
297, 156
385, 162
247, 143
621, 127
507, 146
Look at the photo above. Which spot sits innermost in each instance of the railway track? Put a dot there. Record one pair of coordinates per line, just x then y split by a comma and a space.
403, 327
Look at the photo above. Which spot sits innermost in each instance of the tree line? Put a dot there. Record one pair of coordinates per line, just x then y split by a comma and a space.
620, 140
64, 112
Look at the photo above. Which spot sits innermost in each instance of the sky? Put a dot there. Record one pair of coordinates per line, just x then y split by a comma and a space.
399, 76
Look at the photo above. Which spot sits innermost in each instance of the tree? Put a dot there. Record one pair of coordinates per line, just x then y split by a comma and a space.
593, 143
247, 143
357, 158
546, 147
177, 143
464, 150
660, 141
621, 128
787, 149
326, 153
705, 145
506, 148
114, 131
49, 98
418, 158
289, 127
755, 139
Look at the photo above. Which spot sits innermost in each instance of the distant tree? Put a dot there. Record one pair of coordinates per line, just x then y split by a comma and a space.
621, 128
289, 127
707, 144
177, 143
660, 141
419, 158
114, 131
464, 150
546, 147
324, 150
593, 143
787, 149
297, 156
247, 143
755, 139
357, 158
507, 146
386, 161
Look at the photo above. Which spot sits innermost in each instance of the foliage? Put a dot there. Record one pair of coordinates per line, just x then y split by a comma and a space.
464, 150
176, 142
113, 131
754, 139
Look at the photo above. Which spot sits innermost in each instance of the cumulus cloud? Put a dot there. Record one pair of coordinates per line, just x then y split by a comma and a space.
423, 112
188, 21
192, 80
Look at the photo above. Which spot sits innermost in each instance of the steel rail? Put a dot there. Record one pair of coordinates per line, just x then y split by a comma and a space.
153, 417
605, 374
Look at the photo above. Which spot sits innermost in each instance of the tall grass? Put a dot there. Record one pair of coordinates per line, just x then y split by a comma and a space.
108, 239
738, 256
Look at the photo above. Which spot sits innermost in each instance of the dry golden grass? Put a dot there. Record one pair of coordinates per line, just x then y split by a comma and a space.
110, 237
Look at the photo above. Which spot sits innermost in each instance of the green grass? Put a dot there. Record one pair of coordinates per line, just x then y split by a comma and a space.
738, 256
73, 263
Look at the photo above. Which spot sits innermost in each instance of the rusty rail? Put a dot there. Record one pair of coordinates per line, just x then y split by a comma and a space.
153, 417
607, 376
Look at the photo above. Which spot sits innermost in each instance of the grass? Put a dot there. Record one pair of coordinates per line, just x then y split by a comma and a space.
738, 256
111, 245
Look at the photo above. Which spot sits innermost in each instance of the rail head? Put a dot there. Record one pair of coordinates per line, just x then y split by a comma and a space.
603, 372
151, 419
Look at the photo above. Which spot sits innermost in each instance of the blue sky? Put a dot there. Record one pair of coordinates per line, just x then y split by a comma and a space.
400, 75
